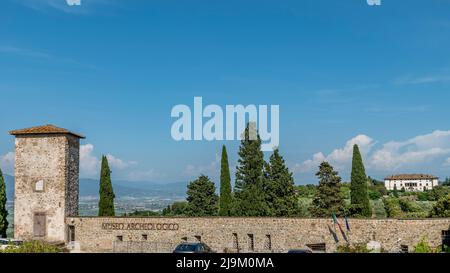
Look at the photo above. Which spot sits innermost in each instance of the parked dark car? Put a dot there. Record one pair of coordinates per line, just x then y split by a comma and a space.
192, 248
299, 251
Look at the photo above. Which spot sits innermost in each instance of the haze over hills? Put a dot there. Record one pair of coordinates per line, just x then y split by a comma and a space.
89, 188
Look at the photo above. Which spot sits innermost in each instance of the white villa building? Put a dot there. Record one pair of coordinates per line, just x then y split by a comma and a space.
411, 182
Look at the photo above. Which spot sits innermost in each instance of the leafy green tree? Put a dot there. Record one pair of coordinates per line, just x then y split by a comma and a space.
202, 198
280, 188
226, 198
249, 191
442, 208
358, 186
106, 202
3, 210
176, 209
328, 197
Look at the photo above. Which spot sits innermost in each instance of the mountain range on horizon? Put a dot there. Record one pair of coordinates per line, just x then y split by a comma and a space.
122, 189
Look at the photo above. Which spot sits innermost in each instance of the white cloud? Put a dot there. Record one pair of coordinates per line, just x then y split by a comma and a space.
89, 163
117, 163
388, 157
339, 158
396, 154
7, 163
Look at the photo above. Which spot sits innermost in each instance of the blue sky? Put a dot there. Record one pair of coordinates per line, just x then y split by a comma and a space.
342, 72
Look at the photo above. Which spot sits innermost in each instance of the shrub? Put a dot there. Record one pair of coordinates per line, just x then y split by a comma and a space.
33, 247
356, 248
424, 247
441, 208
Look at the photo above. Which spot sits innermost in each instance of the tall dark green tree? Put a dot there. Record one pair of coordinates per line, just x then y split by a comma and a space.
249, 191
358, 186
226, 198
328, 198
106, 202
202, 198
3, 210
280, 188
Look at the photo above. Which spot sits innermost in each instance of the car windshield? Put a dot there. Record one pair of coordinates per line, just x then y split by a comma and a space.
186, 247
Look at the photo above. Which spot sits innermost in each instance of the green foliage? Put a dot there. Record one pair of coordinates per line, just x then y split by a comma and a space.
3, 210
359, 181
356, 248
304, 203
438, 193
345, 190
106, 202
33, 247
328, 198
442, 208
378, 208
249, 191
226, 198
424, 247
279, 187
176, 209
142, 213
395, 193
202, 198
306, 191
403, 208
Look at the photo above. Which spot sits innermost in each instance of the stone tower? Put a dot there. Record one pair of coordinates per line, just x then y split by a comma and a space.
46, 182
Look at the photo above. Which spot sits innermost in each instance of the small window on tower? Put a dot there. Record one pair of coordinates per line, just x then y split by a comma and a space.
39, 186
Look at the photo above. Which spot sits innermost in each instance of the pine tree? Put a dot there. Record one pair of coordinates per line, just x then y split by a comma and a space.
3, 210
106, 202
226, 198
328, 198
202, 198
280, 188
249, 187
358, 187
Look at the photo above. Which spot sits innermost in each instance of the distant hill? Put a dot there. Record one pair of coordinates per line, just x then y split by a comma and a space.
90, 188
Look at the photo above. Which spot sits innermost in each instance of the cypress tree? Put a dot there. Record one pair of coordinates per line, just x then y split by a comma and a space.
280, 189
106, 202
3, 210
328, 198
225, 203
395, 191
202, 198
249, 187
358, 186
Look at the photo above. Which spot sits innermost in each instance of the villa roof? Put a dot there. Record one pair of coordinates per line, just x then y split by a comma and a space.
410, 177
43, 130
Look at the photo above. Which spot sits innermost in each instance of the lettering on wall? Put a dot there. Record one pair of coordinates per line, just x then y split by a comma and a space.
141, 226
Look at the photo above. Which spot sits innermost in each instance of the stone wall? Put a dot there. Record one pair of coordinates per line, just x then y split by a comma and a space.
230, 234
45, 158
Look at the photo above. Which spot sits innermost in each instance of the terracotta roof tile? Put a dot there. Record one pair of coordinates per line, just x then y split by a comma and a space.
410, 177
46, 129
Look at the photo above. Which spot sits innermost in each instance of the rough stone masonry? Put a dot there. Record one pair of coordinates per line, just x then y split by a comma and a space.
46, 208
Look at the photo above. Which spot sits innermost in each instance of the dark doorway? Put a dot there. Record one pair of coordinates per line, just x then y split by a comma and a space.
445, 239
39, 227
71, 234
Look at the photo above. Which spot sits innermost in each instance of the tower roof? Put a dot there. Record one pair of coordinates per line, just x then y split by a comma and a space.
43, 130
